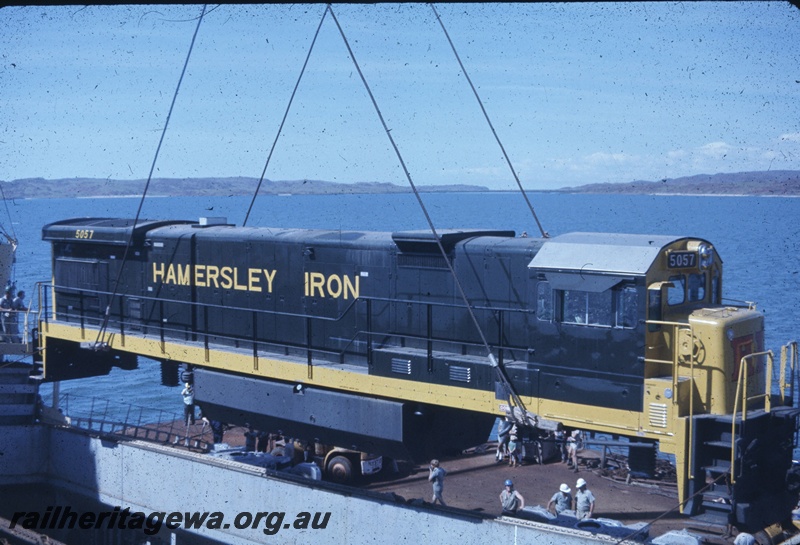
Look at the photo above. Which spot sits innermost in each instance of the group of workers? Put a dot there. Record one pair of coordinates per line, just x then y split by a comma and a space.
509, 445
512, 501
262, 441
12, 310
582, 503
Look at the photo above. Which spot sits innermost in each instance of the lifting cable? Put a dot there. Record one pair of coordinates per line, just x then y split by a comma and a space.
501, 373
491, 126
129, 243
283, 121
11, 239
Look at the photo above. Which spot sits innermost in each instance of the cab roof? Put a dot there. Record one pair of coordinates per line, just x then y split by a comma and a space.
601, 253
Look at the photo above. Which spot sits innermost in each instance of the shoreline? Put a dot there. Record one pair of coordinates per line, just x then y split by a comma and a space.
484, 191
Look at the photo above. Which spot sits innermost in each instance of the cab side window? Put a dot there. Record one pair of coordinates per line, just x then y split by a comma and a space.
676, 294
627, 307
654, 311
586, 307
544, 302
697, 287
617, 307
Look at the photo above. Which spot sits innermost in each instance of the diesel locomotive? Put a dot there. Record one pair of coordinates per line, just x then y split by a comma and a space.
363, 339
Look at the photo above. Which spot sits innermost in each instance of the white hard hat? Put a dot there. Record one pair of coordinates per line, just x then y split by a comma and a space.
564, 488
580, 483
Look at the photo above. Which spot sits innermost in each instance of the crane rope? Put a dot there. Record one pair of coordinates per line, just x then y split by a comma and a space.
489, 121
11, 239
283, 121
12, 236
500, 371
106, 316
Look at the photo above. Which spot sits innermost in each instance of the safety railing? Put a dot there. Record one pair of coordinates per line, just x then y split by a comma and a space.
675, 363
19, 324
741, 383
111, 418
674, 351
208, 330
741, 394
788, 362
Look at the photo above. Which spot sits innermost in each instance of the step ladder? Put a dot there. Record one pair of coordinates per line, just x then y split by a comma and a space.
18, 394
735, 461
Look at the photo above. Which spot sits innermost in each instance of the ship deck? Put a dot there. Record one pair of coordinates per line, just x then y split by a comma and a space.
475, 479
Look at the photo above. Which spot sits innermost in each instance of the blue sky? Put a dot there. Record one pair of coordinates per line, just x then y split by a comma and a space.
578, 93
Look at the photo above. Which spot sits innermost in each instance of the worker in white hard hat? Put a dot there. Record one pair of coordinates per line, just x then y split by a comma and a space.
584, 501
561, 500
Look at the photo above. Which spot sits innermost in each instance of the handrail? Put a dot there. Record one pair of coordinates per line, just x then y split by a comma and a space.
674, 351
677, 326
161, 324
788, 356
101, 420
742, 378
741, 391
85, 292
341, 315
22, 330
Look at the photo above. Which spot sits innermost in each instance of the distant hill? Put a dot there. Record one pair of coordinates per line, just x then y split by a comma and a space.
772, 182
30, 188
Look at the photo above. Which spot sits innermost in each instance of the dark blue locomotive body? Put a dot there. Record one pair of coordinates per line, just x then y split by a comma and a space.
358, 298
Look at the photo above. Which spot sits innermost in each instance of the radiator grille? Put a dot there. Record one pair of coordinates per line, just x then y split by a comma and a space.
658, 415
460, 374
401, 366
422, 261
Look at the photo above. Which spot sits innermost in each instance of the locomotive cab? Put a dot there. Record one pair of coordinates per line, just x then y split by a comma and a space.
694, 339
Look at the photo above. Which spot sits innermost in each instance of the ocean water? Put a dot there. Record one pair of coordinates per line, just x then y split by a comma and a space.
758, 239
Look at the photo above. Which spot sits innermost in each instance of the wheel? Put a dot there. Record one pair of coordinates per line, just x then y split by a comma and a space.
340, 469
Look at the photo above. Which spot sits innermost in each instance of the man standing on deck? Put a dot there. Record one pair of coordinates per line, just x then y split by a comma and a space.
561, 500
511, 500
18, 305
188, 404
572, 450
503, 435
436, 476
250, 438
584, 501
7, 317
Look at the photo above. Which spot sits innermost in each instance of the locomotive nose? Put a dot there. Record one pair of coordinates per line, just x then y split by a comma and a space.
721, 338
